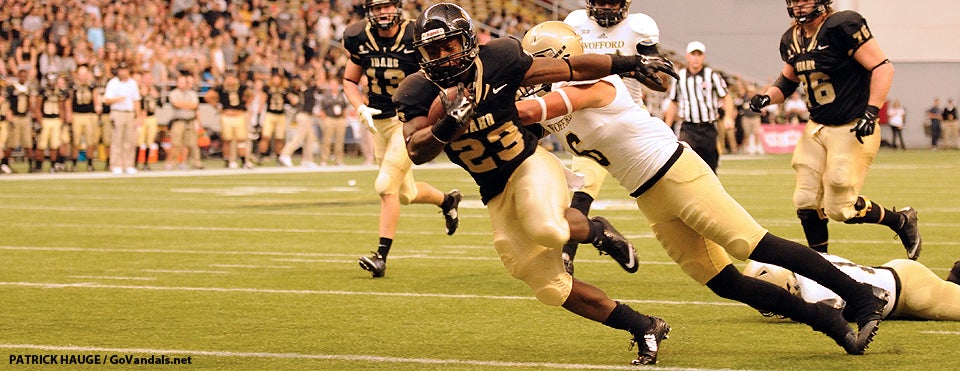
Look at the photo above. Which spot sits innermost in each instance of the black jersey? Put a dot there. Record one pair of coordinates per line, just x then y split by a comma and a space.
149, 103
51, 100
385, 61
495, 143
18, 97
837, 87
276, 99
81, 100
232, 98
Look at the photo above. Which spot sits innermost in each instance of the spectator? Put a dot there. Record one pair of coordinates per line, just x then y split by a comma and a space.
896, 116
333, 103
935, 114
183, 127
951, 127
750, 122
795, 109
308, 111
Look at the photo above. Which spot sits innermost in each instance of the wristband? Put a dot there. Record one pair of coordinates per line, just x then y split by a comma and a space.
622, 64
444, 130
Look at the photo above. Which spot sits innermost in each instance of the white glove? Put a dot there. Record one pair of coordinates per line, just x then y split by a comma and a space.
366, 116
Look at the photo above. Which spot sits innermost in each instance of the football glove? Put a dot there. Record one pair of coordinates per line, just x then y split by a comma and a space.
366, 116
459, 106
758, 102
459, 109
866, 123
642, 67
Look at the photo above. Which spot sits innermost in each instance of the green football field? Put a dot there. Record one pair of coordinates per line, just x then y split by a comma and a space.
257, 270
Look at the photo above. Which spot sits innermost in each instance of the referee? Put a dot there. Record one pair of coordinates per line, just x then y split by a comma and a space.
695, 97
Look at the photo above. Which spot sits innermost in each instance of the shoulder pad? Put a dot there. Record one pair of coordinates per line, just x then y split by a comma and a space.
645, 27
577, 17
355, 29
842, 17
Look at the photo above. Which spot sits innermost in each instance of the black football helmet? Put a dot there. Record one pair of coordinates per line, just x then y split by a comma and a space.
819, 7
435, 28
606, 16
383, 21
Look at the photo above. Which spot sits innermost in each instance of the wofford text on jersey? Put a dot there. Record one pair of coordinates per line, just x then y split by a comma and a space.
96, 359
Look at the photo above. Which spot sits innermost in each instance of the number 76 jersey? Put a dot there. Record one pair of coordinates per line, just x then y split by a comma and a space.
621, 136
836, 86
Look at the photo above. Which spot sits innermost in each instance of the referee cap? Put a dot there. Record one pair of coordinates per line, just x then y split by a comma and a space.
696, 45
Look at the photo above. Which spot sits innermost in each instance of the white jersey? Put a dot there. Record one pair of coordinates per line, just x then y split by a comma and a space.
621, 38
813, 292
621, 136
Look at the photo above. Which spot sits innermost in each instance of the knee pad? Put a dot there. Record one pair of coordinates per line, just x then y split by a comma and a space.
241, 144
862, 206
806, 199
549, 234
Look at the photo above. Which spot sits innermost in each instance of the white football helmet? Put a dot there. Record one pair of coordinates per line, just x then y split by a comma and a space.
776, 275
550, 39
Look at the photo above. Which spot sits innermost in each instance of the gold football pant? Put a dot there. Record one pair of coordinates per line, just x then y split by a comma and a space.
696, 221
831, 166
924, 295
395, 176
529, 228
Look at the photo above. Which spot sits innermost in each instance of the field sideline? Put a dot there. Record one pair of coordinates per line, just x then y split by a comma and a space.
255, 270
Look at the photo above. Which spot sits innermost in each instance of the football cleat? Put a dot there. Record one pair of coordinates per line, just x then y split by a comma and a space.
614, 244
451, 214
648, 344
374, 263
829, 320
567, 263
6, 169
867, 313
954, 275
909, 233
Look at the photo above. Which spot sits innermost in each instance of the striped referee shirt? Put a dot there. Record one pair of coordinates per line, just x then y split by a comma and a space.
698, 95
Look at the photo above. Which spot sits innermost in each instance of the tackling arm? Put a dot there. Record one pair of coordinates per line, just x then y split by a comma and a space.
554, 105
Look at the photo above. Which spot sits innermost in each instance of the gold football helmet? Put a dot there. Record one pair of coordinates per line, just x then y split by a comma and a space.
776, 275
551, 39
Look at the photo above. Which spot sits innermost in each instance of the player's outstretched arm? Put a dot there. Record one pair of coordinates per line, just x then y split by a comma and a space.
554, 105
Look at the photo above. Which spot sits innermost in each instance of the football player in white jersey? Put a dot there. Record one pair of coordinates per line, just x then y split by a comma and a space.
690, 213
917, 292
606, 27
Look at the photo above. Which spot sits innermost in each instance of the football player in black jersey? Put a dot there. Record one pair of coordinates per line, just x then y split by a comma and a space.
845, 77
521, 183
381, 51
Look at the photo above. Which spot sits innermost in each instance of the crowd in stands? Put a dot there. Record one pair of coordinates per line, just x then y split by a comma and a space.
208, 39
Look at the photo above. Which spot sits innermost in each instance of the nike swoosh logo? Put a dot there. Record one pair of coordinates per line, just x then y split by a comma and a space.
823, 47
633, 261
407, 51
499, 88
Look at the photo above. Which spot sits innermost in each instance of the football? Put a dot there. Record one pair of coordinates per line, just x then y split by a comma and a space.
436, 108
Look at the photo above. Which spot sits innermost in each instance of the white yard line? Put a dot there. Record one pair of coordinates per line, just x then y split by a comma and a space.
91, 285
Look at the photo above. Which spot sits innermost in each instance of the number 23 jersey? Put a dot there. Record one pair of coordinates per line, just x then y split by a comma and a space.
494, 144
837, 87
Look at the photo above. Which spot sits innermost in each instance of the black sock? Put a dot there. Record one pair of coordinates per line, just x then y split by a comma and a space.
814, 225
760, 295
384, 248
4, 161
892, 219
625, 318
596, 231
954, 275
805, 262
89, 160
581, 201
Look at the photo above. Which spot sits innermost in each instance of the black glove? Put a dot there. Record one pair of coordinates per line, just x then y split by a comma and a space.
866, 123
642, 67
758, 102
